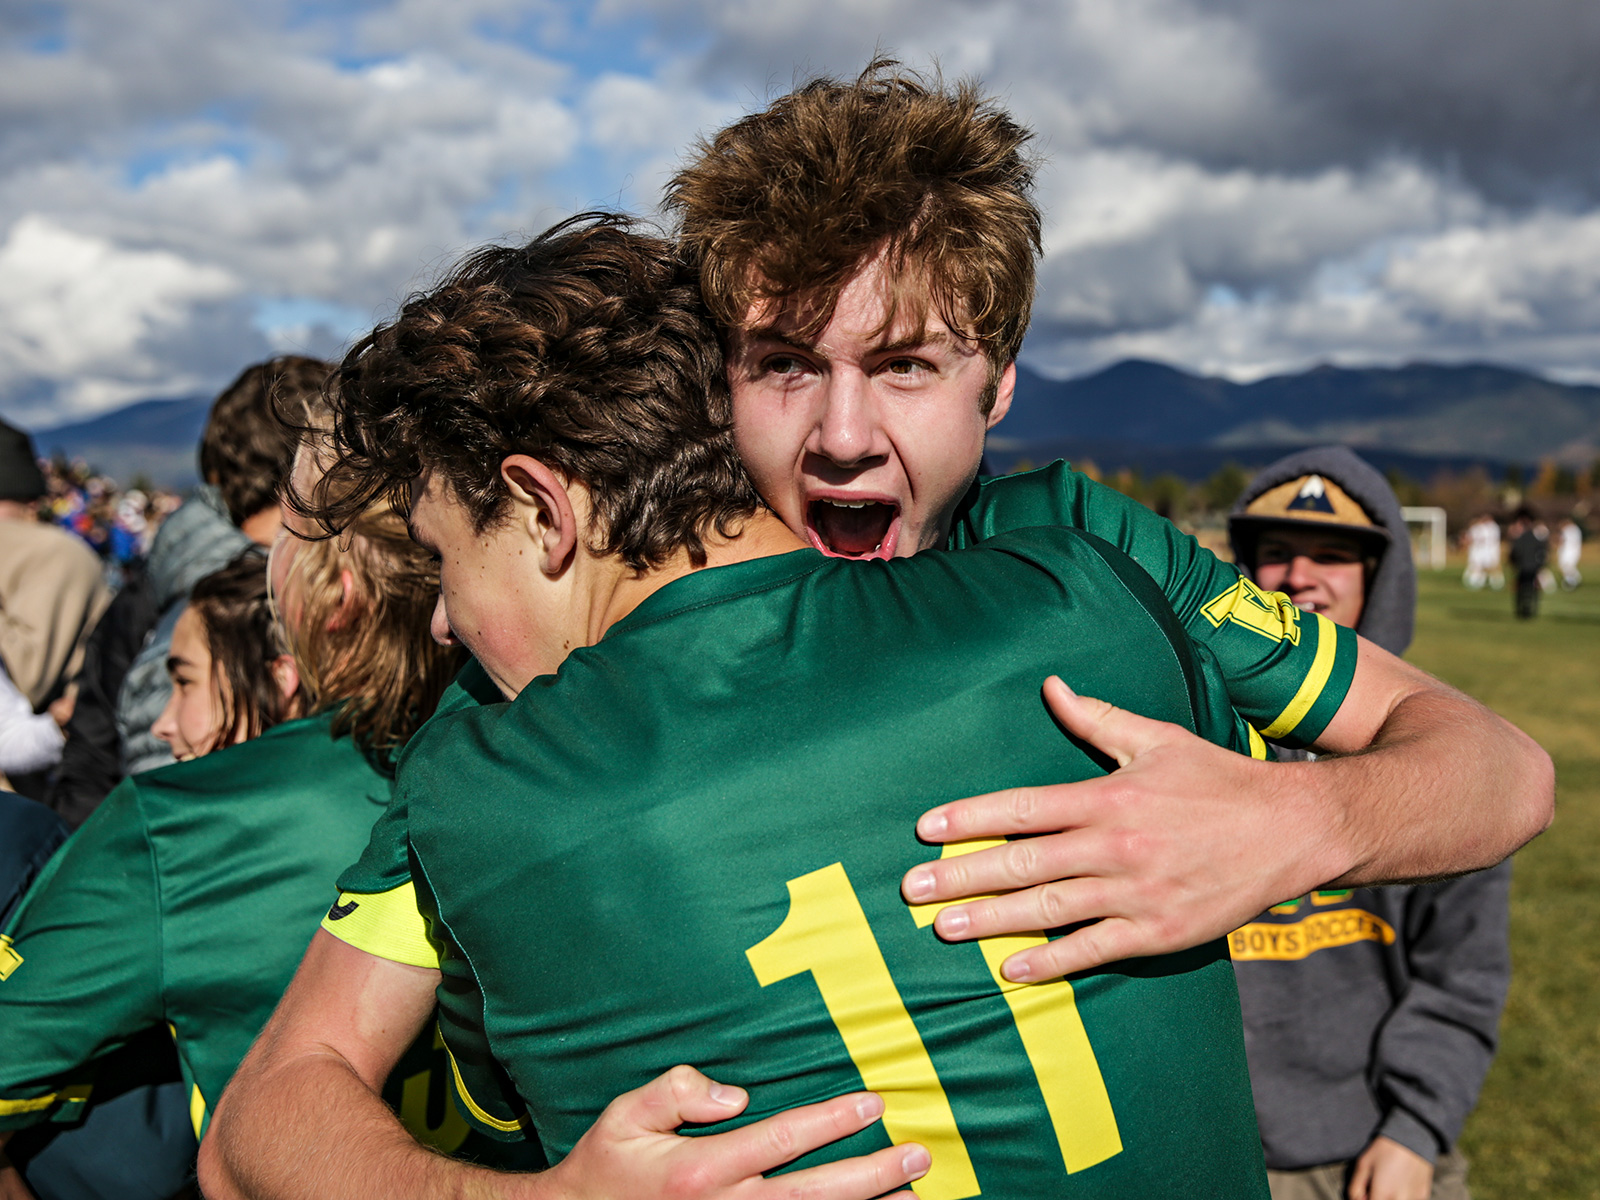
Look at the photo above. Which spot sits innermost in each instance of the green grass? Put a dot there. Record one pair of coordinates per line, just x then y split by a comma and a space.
1536, 1131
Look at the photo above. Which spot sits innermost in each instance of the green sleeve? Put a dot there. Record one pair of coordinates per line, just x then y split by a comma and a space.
80, 964
384, 866
1286, 671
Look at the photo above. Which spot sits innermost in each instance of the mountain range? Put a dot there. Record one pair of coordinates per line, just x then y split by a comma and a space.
1135, 413
1418, 417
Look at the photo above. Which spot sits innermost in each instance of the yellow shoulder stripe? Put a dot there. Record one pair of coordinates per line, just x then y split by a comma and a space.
384, 924
66, 1095
1311, 687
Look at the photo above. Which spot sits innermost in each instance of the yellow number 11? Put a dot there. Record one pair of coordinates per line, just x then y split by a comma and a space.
826, 933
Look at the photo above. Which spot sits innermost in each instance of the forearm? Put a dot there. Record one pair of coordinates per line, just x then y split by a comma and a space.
1444, 786
273, 1136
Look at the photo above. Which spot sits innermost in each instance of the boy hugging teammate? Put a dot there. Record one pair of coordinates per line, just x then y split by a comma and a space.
705, 716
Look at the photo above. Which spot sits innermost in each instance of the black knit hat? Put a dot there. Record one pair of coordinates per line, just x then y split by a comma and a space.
19, 469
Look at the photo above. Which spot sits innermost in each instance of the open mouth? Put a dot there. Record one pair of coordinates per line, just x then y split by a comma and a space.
853, 528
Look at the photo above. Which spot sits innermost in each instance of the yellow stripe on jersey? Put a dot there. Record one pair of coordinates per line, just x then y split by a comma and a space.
197, 1109
476, 1110
10, 960
1311, 687
1258, 747
68, 1095
385, 925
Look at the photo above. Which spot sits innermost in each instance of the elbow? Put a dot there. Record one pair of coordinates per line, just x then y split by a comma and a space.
1541, 795
215, 1181
209, 1173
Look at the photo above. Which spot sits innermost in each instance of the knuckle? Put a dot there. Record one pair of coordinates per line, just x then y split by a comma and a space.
1023, 806
1021, 860
1052, 907
682, 1081
783, 1139
687, 1178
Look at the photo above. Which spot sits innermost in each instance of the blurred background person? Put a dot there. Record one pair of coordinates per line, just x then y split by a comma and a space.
244, 454
1569, 549
1483, 554
1528, 555
29, 742
1372, 1014
187, 899
52, 591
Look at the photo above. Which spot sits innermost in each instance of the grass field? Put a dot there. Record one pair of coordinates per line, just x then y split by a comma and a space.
1536, 1132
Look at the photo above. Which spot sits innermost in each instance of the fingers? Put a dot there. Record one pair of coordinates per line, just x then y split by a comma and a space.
1023, 863
1114, 731
668, 1101
1095, 945
1361, 1178
853, 1178
766, 1145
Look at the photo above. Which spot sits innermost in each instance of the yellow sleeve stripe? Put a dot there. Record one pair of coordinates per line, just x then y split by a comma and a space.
473, 1107
384, 924
1311, 687
197, 1109
67, 1095
1258, 747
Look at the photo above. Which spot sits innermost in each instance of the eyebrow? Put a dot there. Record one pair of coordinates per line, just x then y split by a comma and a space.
909, 342
175, 661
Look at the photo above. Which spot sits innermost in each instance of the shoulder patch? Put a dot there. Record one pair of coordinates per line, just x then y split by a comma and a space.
10, 960
1271, 614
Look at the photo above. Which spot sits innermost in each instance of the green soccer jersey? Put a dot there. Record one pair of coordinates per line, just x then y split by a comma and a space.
187, 900
687, 846
1285, 671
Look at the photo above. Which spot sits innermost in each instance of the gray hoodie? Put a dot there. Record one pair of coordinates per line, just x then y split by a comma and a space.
1375, 1010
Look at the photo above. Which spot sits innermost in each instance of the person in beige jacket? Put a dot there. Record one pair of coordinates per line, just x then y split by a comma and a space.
52, 589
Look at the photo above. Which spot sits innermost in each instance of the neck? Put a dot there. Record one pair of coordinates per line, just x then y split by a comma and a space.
620, 590
16, 510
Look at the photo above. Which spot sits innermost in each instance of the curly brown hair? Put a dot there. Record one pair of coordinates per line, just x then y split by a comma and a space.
787, 205
245, 450
590, 349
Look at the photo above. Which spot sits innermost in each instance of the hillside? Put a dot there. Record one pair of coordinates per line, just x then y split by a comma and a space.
1418, 418
1161, 418
158, 439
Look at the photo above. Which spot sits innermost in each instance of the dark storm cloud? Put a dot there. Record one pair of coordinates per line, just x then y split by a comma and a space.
1507, 95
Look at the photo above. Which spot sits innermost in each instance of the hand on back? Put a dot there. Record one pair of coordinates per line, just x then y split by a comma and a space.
634, 1149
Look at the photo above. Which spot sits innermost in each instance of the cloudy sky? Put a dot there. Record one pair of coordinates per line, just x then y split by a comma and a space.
1237, 186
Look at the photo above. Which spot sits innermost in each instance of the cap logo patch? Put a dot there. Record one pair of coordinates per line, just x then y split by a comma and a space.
1312, 497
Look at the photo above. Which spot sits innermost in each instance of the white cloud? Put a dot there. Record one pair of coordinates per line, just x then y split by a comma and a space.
1231, 184
90, 316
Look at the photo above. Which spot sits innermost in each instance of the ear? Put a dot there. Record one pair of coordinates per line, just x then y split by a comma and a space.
349, 603
286, 674
544, 509
1003, 394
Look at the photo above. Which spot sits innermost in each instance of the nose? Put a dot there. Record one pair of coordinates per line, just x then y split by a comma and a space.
165, 727
1302, 574
439, 626
849, 430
